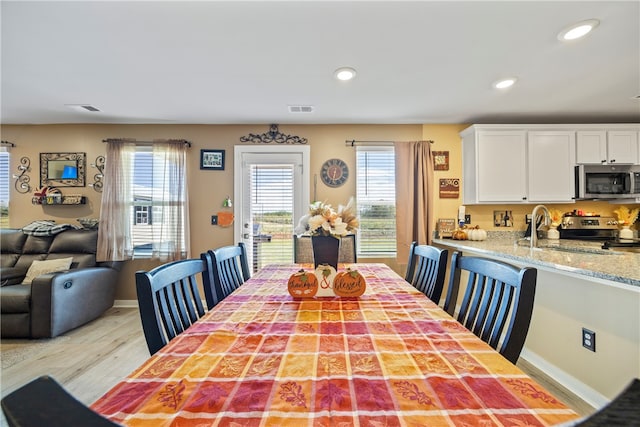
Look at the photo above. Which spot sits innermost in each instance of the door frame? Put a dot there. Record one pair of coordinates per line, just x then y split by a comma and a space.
239, 192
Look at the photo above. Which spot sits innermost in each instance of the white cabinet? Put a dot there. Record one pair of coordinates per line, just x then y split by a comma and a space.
550, 166
607, 147
494, 166
506, 164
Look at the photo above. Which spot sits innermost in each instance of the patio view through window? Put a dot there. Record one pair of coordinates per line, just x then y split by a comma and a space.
376, 201
272, 201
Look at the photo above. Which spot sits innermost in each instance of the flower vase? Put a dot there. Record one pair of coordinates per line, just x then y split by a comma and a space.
326, 250
553, 233
626, 233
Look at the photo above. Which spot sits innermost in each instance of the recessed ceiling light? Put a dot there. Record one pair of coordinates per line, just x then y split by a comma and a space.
578, 30
505, 83
345, 73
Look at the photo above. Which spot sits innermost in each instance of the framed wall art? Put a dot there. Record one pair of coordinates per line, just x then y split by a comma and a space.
440, 160
212, 160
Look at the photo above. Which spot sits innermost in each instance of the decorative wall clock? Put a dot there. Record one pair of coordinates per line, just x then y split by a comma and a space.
334, 172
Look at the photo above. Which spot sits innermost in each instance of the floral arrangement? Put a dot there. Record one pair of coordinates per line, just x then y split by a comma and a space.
626, 216
324, 220
556, 217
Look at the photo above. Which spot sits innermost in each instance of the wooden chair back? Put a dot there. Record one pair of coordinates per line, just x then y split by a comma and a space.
303, 250
426, 270
43, 402
230, 271
497, 296
169, 300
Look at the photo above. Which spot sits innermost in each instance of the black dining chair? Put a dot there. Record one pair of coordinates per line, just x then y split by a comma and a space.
623, 411
44, 402
496, 293
303, 250
169, 300
426, 270
230, 269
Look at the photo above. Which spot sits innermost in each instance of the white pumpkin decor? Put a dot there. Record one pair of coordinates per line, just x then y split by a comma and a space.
476, 233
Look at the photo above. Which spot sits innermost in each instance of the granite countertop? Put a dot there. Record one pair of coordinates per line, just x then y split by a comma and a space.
578, 257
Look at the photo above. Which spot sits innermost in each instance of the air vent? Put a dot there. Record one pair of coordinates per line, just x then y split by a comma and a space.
83, 107
300, 108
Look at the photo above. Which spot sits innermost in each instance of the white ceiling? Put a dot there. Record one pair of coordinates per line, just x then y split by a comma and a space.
216, 62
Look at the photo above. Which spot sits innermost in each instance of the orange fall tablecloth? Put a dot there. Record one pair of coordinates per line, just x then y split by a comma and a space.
388, 358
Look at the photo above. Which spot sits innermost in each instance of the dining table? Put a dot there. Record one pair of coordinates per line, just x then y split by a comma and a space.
390, 357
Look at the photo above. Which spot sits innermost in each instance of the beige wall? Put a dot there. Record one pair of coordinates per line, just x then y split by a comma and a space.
208, 188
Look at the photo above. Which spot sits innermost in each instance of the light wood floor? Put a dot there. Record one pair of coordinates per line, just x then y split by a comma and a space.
90, 360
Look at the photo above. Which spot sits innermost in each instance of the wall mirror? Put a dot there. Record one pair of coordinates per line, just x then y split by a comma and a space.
62, 169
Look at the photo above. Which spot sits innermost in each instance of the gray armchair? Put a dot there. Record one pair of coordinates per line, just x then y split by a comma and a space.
54, 302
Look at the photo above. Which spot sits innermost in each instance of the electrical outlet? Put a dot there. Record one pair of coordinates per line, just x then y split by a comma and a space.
214, 219
467, 219
527, 219
589, 339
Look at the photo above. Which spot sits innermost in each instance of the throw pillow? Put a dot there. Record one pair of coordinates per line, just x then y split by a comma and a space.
38, 268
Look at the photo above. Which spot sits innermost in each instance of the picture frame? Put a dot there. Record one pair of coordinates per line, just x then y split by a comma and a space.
212, 160
440, 160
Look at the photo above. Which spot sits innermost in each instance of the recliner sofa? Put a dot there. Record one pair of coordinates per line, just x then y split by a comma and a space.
55, 302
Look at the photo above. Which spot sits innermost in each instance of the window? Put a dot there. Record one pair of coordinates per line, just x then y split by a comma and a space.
376, 201
144, 204
152, 195
4, 188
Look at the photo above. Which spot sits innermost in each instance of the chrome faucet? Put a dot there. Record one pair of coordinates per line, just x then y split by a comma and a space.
534, 222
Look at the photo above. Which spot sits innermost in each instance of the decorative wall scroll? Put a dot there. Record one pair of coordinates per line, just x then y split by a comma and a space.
97, 178
273, 135
22, 181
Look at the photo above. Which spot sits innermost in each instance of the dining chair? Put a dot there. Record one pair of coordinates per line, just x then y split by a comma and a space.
303, 250
44, 402
496, 293
426, 270
230, 269
169, 300
623, 410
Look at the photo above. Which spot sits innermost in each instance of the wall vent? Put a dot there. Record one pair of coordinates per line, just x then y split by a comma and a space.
83, 107
300, 108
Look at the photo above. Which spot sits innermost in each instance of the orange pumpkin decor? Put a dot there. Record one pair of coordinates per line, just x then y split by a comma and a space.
349, 283
302, 284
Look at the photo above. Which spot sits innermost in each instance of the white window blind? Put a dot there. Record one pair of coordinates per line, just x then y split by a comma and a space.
272, 201
4, 187
376, 201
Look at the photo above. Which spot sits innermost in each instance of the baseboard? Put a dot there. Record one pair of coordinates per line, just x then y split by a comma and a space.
126, 303
577, 387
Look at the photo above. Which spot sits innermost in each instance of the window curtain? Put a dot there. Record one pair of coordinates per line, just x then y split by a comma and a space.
169, 236
414, 195
114, 232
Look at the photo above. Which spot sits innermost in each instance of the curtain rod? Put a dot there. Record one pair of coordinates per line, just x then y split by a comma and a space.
10, 144
133, 140
353, 143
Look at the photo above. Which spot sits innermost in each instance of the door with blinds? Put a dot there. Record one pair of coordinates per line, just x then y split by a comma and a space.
271, 194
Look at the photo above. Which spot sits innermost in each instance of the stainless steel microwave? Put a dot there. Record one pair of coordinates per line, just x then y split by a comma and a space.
607, 181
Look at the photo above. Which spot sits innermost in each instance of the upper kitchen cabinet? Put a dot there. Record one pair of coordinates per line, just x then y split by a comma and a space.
494, 166
551, 157
515, 164
606, 147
